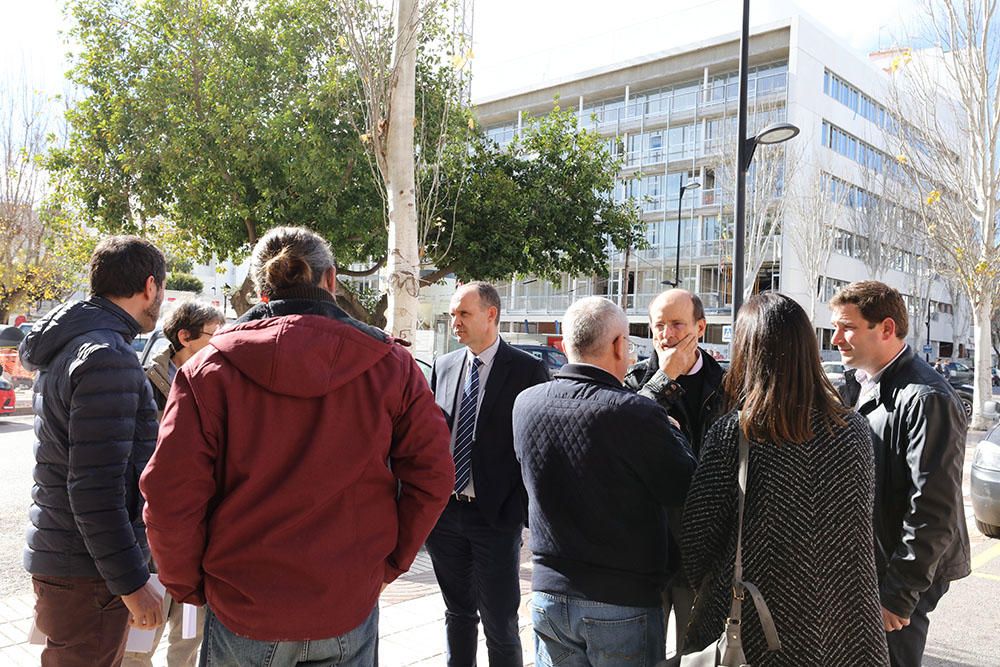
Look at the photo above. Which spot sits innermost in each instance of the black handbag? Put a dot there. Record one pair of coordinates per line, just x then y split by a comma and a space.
728, 650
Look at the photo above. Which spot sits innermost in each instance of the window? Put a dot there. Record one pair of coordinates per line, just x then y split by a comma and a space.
857, 150
855, 100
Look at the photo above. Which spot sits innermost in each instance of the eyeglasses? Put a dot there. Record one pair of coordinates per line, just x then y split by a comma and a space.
631, 347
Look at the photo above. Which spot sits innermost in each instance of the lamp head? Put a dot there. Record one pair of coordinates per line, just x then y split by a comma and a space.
776, 133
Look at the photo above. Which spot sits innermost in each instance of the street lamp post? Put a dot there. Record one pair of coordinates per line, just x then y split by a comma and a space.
690, 185
772, 134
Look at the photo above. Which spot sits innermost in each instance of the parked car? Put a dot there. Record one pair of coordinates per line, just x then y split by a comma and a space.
8, 401
550, 356
25, 327
985, 484
147, 346
964, 391
954, 370
834, 371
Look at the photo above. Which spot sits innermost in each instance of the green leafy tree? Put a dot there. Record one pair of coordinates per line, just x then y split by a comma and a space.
185, 282
227, 118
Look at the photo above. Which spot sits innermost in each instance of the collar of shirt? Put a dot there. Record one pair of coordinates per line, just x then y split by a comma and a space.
697, 365
868, 382
486, 356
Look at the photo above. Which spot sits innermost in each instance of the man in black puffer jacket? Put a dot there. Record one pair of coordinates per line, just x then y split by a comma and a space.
95, 421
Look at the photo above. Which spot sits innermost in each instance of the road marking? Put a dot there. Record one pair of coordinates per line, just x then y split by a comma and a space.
984, 557
983, 575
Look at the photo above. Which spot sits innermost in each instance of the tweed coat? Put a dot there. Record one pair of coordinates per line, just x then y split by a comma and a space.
807, 545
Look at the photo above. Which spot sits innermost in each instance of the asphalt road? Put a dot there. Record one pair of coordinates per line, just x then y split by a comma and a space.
963, 628
16, 461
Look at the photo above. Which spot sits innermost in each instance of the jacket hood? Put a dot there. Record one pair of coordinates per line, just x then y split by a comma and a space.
49, 336
300, 355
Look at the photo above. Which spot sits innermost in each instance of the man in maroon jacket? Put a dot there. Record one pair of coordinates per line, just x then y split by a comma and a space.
272, 494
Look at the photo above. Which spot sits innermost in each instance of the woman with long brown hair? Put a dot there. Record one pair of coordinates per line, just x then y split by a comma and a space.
807, 525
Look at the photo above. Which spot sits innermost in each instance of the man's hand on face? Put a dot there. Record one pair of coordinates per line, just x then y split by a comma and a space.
145, 606
678, 360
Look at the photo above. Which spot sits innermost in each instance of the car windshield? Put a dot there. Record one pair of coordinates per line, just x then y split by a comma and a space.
556, 359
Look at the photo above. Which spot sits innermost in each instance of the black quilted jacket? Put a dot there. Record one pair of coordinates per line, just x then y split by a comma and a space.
95, 421
600, 465
807, 545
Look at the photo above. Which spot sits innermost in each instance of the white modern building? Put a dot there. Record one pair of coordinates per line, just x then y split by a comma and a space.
673, 115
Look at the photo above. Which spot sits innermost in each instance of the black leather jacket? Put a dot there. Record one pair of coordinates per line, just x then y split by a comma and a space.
918, 429
642, 377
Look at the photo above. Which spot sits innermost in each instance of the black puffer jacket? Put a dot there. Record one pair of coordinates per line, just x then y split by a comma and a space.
919, 429
95, 421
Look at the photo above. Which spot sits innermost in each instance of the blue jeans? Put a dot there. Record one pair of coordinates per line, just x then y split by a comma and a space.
223, 648
572, 632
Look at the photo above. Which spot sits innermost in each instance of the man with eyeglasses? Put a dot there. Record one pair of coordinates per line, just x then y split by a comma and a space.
600, 464
188, 328
687, 382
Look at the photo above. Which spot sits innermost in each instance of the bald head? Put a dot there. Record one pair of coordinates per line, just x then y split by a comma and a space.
678, 298
674, 315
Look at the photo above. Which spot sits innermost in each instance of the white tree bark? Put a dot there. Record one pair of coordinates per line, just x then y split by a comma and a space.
983, 383
947, 104
403, 263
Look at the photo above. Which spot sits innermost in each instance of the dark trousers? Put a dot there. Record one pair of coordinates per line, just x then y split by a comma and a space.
679, 597
85, 623
476, 566
906, 646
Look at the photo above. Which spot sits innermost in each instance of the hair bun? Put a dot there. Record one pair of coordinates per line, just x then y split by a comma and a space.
286, 270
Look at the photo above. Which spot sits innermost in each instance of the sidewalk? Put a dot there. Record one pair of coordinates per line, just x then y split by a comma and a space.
411, 623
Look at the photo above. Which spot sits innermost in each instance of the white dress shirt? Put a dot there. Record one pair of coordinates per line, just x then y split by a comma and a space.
486, 357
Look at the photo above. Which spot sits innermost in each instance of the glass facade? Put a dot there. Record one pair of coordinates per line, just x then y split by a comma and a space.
668, 135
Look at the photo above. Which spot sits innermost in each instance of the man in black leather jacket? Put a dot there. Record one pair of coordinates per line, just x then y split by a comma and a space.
918, 428
687, 382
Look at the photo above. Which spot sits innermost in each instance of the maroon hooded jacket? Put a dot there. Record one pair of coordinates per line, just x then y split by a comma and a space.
272, 494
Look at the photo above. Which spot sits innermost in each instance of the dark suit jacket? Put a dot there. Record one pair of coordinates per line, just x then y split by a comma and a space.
496, 473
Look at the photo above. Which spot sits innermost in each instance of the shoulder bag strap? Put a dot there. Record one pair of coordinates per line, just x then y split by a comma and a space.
740, 587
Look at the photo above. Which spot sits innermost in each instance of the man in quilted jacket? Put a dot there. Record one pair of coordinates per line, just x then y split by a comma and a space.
95, 421
601, 464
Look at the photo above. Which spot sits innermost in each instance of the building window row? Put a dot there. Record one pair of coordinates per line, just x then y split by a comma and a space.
856, 101
846, 144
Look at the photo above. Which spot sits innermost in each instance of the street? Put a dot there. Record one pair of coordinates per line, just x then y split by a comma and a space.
962, 630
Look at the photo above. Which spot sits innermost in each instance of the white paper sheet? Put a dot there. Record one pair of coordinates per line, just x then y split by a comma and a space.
189, 622
141, 641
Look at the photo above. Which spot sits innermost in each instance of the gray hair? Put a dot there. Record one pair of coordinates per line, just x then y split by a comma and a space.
488, 295
591, 323
289, 257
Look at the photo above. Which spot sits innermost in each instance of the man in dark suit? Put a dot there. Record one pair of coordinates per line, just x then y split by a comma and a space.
476, 544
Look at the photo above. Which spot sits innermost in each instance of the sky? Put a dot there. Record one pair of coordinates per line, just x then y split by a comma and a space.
522, 42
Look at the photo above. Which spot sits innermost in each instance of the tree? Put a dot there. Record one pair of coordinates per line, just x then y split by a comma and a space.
880, 219
39, 247
185, 282
945, 103
224, 117
817, 211
770, 171
221, 120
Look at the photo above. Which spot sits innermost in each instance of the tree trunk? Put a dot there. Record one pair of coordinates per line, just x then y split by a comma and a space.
241, 297
403, 257
982, 385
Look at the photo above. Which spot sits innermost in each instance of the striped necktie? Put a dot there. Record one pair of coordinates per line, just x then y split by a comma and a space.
466, 430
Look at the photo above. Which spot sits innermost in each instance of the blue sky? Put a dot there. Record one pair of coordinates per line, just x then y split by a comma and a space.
520, 42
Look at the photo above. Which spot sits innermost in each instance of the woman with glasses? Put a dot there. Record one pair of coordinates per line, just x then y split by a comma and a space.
807, 527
